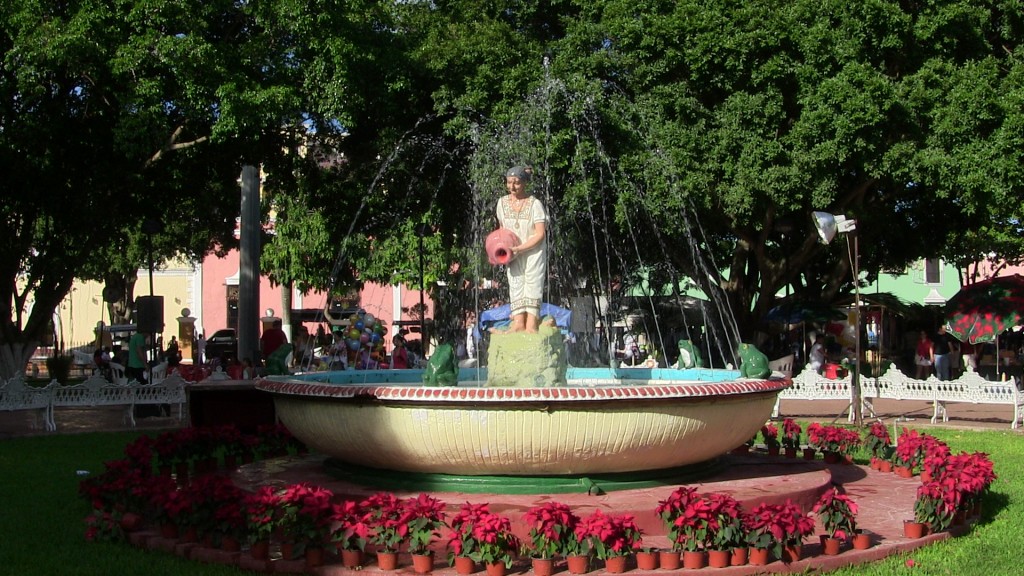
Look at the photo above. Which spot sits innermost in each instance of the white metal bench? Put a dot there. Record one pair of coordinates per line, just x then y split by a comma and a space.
15, 394
894, 385
94, 391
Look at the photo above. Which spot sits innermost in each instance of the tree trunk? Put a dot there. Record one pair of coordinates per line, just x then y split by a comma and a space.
14, 357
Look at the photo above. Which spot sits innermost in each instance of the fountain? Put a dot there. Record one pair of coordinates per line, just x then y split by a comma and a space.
603, 421
606, 420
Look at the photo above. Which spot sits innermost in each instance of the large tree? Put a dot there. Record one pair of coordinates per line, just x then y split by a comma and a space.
703, 134
117, 113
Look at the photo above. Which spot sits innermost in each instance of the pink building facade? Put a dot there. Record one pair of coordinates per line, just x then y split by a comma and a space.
219, 280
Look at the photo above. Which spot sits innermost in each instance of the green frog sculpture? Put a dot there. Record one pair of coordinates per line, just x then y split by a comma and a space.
689, 356
753, 362
442, 369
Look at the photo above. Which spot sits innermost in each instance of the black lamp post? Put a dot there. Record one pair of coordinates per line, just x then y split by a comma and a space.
421, 231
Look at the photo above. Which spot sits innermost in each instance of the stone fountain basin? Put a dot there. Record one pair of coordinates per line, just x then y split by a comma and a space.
604, 421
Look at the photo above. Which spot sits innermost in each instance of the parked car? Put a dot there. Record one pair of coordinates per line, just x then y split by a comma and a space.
222, 342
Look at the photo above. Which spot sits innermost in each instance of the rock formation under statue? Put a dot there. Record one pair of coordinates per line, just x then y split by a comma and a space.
526, 360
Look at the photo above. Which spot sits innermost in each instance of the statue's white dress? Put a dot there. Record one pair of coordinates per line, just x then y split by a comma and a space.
527, 271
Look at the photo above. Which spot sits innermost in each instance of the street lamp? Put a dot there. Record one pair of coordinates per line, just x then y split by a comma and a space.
828, 225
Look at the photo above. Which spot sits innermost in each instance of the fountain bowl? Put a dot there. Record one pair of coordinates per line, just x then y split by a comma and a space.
604, 421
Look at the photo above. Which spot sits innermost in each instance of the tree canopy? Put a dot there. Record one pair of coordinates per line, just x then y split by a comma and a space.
671, 140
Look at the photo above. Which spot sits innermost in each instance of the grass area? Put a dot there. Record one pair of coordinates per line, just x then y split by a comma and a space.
41, 514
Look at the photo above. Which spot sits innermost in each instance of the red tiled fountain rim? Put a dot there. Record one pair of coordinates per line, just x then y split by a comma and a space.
637, 389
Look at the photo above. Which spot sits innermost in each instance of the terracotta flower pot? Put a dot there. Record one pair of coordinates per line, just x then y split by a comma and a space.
903, 472
810, 453
884, 466
773, 450
543, 566
831, 457
465, 565
230, 544
423, 563
314, 557
351, 558
791, 554
694, 559
496, 569
288, 551
861, 541
615, 564
790, 452
169, 530
578, 564
130, 522
647, 560
387, 560
758, 556
669, 560
912, 529
831, 546
719, 558
260, 550
739, 556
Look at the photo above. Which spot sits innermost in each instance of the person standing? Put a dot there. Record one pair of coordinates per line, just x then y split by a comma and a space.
136, 367
941, 348
524, 215
173, 353
201, 349
272, 339
399, 356
924, 356
817, 354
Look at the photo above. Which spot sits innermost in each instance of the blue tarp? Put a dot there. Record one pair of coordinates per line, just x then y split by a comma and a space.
500, 315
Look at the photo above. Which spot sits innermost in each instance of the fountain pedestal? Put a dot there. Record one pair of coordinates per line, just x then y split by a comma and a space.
524, 360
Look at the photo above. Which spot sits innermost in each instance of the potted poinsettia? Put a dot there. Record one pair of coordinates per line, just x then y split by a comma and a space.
770, 436
425, 517
878, 443
478, 535
837, 513
779, 529
974, 479
937, 456
551, 527
694, 527
791, 437
579, 547
613, 538
389, 522
833, 441
935, 506
670, 510
726, 532
496, 544
909, 453
306, 518
262, 516
350, 531
216, 509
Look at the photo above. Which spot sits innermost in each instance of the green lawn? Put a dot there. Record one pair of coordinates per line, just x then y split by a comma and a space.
41, 514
